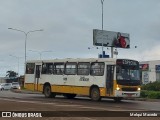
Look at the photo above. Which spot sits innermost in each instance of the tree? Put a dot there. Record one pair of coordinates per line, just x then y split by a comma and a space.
11, 73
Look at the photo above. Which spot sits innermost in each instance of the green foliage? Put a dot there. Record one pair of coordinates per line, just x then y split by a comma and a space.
154, 95
150, 94
155, 86
151, 90
143, 94
11, 73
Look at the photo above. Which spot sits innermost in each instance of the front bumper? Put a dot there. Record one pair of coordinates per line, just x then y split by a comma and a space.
126, 94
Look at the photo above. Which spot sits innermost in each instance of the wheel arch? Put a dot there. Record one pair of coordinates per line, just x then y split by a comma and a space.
46, 84
91, 87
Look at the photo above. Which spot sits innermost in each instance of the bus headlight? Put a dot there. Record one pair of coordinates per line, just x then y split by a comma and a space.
117, 88
139, 89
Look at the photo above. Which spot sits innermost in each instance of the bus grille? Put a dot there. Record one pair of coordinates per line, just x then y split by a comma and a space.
129, 89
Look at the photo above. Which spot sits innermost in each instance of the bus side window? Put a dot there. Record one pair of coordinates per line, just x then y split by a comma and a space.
30, 68
71, 68
97, 68
44, 68
58, 69
47, 68
83, 68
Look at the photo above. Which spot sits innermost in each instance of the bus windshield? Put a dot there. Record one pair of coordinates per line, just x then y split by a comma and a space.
127, 70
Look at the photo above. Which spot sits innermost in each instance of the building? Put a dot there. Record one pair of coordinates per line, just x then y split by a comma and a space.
2, 80
150, 71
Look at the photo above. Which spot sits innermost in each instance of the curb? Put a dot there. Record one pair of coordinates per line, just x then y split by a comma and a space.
25, 91
143, 99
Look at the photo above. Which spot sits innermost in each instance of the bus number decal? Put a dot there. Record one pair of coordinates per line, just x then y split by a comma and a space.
84, 79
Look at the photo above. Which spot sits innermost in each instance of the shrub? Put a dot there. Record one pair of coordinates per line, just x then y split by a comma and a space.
143, 94
155, 86
150, 94
153, 95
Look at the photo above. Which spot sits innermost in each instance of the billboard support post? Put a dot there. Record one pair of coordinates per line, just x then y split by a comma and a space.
102, 22
111, 52
102, 12
102, 1
109, 38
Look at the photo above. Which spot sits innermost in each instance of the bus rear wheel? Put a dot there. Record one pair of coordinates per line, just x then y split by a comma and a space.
95, 94
69, 96
47, 92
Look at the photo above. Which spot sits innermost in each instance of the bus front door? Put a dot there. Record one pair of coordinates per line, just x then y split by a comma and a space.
37, 77
109, 79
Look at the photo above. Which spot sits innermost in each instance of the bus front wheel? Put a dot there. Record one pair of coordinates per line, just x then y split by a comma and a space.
95, 94
47, 92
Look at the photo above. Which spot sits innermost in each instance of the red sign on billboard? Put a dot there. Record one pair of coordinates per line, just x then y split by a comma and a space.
144, 67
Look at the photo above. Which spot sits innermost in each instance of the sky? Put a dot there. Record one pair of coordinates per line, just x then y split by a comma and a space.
68, 29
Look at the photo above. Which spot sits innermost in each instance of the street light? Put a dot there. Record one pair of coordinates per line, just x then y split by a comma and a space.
26, 34
40, 52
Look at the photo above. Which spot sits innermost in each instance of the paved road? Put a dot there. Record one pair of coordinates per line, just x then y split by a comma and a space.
85, 102
10, 101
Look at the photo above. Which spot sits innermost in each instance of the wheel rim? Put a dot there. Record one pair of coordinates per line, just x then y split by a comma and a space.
95, 94
47, 91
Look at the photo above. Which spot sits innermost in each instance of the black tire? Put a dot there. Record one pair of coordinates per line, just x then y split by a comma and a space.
69, 96
117, 99
95, 94
53, 95
47, 92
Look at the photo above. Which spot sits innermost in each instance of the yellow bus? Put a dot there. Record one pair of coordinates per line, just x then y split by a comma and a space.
93, 77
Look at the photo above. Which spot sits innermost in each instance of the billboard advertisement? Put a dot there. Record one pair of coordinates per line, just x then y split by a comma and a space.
111, 39
145, 77
157, 68
144, 67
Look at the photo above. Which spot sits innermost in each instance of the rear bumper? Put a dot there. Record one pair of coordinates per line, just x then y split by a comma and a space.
126, 94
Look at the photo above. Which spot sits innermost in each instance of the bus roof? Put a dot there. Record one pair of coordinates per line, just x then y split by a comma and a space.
75, 60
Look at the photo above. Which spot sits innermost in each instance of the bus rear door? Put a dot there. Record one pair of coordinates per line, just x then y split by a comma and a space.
37, 77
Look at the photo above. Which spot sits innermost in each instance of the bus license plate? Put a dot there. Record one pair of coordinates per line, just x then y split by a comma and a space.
129, 94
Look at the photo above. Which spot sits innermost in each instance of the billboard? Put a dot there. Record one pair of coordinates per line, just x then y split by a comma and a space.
145, 77
110, 39
157, 68
144, 67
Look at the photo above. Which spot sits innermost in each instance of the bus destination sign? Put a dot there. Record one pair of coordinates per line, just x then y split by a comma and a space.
127, 62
